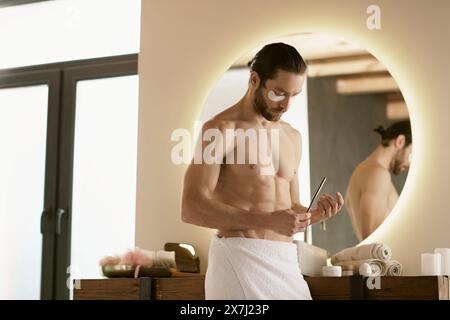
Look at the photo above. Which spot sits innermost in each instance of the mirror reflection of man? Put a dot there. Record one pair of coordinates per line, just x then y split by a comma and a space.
371, 194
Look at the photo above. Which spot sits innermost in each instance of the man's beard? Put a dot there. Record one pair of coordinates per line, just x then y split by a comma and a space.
397, 167
262, 108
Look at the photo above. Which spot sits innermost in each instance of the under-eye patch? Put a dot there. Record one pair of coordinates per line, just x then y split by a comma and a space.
274, 97
410, 157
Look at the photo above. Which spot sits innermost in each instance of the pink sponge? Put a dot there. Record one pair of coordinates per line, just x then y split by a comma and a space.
144, 258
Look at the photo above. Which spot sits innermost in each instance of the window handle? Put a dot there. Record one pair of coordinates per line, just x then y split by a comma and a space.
59, 215
43, 221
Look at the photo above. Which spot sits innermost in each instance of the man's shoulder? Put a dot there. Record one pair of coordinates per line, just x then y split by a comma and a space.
374, 168
290, 129
373, 175
217, 123
220, 122
226, 119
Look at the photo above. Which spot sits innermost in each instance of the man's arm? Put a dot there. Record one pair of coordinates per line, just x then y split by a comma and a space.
295, 200
200, 208
326, 207
294, 185
373, 204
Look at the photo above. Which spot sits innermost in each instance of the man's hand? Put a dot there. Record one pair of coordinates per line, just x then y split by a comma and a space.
288, 222
327, 207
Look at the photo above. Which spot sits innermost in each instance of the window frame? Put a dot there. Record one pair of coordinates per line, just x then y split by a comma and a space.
61, 78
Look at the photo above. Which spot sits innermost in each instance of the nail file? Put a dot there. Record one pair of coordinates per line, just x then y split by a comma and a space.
317, 192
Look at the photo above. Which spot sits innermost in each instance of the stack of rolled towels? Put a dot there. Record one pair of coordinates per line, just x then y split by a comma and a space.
377, 255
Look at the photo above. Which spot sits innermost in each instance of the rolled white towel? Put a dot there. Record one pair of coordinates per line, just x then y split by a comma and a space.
368, 251
394, 268
378, 266
165, 259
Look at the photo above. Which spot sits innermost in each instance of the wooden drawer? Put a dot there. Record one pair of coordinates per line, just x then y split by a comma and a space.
112, 289
410, 288
339, 288
382, 288
187, 288
184, 287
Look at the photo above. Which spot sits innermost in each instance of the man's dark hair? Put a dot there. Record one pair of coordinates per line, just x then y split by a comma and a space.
276, 56
393, 131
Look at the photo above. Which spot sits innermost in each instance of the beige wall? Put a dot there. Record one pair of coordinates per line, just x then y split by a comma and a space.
187, 45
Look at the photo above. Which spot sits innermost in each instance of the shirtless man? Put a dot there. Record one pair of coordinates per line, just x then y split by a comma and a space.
249, 208
370, 194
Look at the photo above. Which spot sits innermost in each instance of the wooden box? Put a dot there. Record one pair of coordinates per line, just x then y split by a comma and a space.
190, 286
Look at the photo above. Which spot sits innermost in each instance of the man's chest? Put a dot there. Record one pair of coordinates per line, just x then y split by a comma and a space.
263, 152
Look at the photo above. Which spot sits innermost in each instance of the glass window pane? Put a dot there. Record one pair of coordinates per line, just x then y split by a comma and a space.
62, 30
104, 180
23, 127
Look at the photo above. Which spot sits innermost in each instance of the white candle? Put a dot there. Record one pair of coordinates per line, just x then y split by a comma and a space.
445, 260
332, 271
431, 264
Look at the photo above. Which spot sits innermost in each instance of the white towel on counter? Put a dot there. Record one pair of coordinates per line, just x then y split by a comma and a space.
253, 269
394, 268
165, 259
368, 251
378, 266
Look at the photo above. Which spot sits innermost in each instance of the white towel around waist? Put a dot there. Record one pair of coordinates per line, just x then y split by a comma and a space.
254, 269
